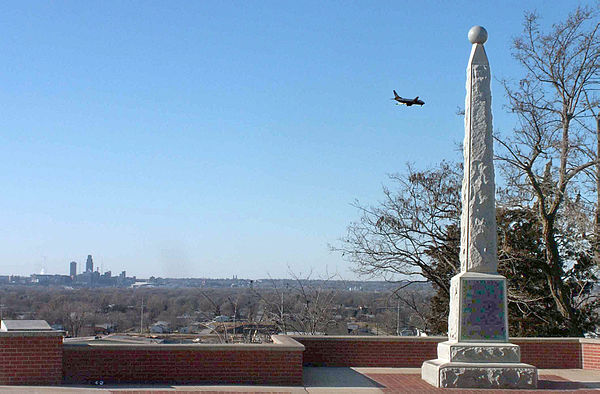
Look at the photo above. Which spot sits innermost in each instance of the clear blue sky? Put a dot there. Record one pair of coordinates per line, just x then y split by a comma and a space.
223, 138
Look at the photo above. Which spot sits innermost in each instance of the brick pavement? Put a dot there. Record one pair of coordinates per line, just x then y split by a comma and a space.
412, 383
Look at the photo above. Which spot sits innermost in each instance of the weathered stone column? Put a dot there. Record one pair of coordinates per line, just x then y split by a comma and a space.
477, 353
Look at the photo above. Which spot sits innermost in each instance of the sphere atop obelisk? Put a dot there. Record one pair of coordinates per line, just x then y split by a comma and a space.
478, 35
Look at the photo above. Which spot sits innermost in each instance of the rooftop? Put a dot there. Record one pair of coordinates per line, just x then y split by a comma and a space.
25, 325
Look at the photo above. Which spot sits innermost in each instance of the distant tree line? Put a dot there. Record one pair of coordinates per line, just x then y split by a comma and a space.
307, 307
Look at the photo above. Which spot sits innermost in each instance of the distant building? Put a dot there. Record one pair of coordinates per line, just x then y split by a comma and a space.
408, 332
73, 269
47, 280
89, 264
188, 329
160, 327
106, 328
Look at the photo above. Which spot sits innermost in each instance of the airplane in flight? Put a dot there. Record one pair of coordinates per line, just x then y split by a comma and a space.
407, 102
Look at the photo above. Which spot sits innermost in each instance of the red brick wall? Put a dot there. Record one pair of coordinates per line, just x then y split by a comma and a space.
560, 353
367, 351
591, 354
36, 360
411, 351
161, 364
30, 360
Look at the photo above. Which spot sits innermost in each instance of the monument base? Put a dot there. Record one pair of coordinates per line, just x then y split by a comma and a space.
481, 365
453, 374
479, 352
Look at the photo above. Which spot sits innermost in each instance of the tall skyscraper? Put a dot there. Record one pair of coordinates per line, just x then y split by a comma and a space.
73, 269
89, 264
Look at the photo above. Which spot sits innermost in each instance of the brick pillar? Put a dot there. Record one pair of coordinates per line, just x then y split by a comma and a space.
31, 357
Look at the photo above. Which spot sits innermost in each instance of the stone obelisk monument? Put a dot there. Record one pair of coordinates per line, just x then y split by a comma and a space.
477, 353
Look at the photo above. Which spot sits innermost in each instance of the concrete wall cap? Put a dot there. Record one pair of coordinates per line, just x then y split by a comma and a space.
280, 343
595, 341
200, 347
284, 340
12, 334
394, 338
546, 339
370, 338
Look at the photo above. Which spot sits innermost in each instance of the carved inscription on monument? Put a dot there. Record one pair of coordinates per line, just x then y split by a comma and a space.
483, 311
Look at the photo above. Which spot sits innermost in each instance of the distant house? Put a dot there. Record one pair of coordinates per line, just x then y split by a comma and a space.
191, 328
187, 330
359, 328
160, 327
106, 328
408, 332
222, 318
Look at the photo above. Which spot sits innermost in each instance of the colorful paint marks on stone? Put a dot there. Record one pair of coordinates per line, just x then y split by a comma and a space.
483, 312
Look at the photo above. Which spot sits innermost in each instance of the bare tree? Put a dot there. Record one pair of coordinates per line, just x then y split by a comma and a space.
77, 315
408, 235
416, 310
303, 305
314, 309
550, 150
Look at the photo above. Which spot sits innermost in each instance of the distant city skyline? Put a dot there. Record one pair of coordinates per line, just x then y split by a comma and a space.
211, 139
